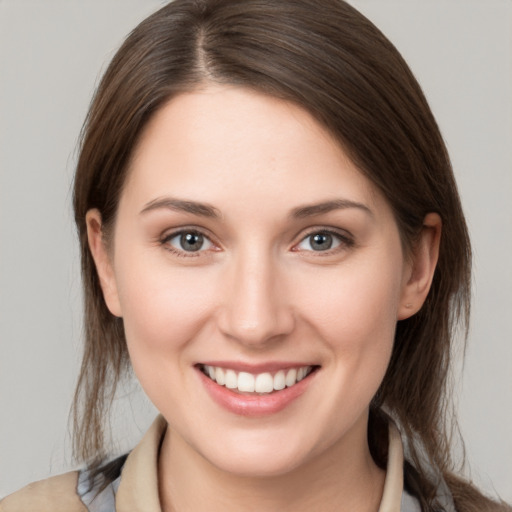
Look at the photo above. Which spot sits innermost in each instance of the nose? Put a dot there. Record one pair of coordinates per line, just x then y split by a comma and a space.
256, 309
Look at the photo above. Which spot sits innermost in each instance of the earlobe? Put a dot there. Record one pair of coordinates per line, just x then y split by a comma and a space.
102, 260
422, 266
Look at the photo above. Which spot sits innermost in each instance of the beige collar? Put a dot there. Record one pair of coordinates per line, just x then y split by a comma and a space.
138, 490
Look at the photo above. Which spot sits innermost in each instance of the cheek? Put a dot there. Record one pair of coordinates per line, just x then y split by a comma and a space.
163, 308
162, 313
357, 304
354, 310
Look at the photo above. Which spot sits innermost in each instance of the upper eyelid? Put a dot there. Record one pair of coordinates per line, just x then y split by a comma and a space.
168, 235
343, 234
344, 237
171, 233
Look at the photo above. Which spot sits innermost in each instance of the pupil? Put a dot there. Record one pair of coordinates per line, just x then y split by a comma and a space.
191, 241
321, 241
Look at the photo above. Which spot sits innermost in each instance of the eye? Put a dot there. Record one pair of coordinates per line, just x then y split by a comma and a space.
322, 241
188, 241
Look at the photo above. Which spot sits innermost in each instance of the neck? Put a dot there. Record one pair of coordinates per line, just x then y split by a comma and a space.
342, 480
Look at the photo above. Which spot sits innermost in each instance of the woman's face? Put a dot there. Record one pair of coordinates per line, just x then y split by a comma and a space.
248, 248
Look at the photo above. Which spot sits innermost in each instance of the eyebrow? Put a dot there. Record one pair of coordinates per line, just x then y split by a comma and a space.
206, 210
180, 205
326, 207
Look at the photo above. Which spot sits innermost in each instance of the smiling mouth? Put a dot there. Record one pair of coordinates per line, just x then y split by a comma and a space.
256, 384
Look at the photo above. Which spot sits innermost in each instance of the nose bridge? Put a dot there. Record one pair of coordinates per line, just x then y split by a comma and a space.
256, 309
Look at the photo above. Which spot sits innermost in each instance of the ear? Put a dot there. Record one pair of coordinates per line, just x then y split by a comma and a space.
422, 265
103, 262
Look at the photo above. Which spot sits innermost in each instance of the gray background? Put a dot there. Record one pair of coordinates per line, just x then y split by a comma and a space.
51, 55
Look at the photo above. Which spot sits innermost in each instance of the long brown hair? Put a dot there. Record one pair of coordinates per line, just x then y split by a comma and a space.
326, 57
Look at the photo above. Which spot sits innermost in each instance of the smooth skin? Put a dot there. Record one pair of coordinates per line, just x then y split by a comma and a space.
245, 233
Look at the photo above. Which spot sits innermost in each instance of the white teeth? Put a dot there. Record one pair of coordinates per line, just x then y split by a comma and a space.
279, 380
264, 383
291, 377
261, 383
245, 382
219, 376
231, 379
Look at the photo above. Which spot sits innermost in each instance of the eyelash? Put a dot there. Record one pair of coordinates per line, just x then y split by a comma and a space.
182, 253
345, 241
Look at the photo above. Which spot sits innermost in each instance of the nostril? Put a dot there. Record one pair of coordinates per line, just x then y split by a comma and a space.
254, 327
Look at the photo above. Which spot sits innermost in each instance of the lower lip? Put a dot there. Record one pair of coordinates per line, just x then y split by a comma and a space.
254, 405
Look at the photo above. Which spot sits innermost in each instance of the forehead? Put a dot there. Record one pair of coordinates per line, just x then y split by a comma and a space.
222, 141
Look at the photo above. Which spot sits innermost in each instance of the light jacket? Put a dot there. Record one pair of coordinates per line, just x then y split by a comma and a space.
137, 490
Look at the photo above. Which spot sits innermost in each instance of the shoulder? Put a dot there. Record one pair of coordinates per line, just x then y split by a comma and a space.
55, 494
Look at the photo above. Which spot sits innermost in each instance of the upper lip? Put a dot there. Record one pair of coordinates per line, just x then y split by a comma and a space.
255, 368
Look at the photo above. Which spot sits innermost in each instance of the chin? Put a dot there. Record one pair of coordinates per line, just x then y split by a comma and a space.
262, 467
258, 458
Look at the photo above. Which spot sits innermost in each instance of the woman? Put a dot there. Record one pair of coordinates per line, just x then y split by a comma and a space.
271, 235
